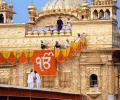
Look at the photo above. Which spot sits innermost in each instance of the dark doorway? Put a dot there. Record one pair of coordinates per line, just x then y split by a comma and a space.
93, 81
1, 18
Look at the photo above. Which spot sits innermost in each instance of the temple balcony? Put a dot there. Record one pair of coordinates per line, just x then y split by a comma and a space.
47, 31
93, 92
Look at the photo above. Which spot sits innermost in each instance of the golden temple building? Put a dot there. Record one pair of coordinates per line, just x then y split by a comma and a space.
94, 71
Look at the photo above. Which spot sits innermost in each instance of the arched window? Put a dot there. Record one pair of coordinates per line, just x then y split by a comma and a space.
1, 18
107, 14
93, 80
95, 14
101, 14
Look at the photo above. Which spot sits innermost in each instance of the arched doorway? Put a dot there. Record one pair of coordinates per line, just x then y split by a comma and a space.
107, 14
95, 14
101, 14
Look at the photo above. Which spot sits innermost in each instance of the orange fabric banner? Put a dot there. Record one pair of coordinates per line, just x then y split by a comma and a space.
36, 53
6, 54
45, 62
57, 52
11, 59
23, 58
1, 59
70, 54
79, 48
60, 57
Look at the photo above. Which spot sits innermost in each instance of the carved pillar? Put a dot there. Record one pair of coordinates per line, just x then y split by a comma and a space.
58, 68
92, 14
75, 74
4, 14
111, 80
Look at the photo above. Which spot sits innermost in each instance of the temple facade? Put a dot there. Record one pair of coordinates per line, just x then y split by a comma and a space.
95, 72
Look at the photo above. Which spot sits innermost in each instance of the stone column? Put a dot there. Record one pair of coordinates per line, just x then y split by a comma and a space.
4, 14
83, 79
75, 74
104, 81
91, 14
57, 75
111, 81
21, 76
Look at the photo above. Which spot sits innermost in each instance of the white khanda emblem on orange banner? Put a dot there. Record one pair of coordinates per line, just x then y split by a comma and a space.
45, 63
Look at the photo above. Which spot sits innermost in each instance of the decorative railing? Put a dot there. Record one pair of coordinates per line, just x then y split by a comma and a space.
104, 3
47, 31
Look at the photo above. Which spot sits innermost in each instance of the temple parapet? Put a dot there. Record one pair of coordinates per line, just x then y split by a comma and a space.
104, 3
47, 31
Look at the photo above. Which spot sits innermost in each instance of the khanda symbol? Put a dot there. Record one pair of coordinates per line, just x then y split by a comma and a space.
44, 61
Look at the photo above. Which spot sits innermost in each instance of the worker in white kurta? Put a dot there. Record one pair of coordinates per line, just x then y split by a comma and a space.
30, 80
69, 24
37, 79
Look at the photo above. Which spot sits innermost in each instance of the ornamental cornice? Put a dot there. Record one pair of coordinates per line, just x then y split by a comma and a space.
70, 12
92, 21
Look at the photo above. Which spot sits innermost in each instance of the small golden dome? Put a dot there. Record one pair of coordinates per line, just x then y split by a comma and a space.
11, 5
31, 6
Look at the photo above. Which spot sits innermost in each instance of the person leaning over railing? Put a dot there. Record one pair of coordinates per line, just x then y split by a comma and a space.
66, 43
57, 45
42, 45
76, 39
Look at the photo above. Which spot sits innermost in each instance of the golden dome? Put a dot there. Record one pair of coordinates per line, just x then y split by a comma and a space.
62, 4
31, 6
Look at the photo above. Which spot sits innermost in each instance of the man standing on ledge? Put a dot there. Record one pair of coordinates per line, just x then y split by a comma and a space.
37, 79
30, 80
59, 24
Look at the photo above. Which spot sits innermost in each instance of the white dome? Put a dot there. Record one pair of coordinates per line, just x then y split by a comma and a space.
62, 4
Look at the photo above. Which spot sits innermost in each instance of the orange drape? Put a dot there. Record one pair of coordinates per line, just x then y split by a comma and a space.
6, 54
78, 48
35, 54
70, 54
11, 59
23, 58
60, 57
1, 59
